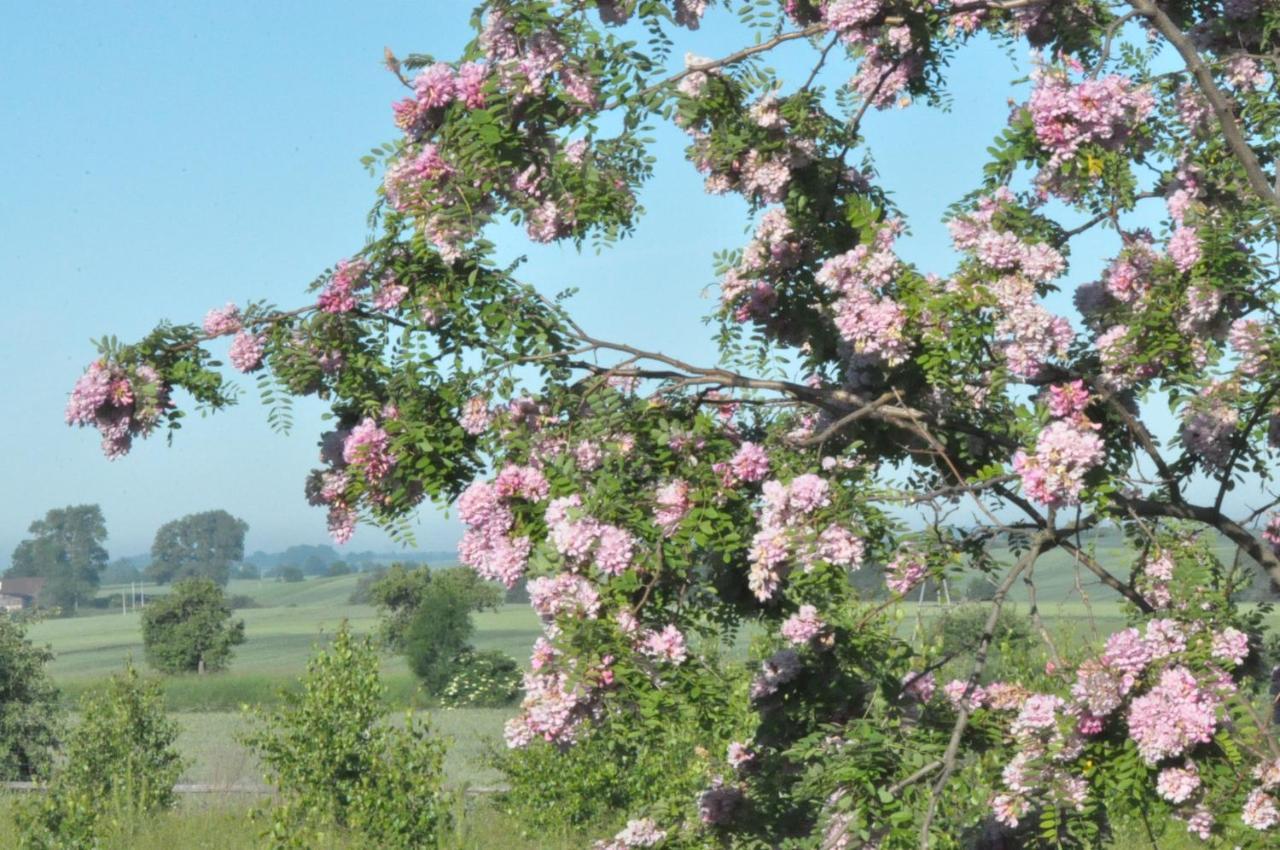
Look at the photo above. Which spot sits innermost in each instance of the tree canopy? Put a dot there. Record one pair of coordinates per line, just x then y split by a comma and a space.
66, 550
190, 630
204, 544
866, 414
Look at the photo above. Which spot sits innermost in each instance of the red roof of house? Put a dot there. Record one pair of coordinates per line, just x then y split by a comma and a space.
24, 586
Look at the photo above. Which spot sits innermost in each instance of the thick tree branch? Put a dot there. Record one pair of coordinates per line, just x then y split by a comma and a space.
1231, 131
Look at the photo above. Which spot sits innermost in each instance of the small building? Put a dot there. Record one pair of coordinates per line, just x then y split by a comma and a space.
17, 594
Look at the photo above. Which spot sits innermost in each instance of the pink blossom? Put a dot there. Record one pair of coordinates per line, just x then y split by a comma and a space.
368, 447
1009, 809
906, 570
1200, 824
1067, 401
224, 321
246, 352
672, 502
1231, 646
338, 295
739, 755
1260, 811
962, 694
750, 463
476, 415
665, 645
1065, 452
1173, 716
389, 296
565, 595
1126, 652
1248, 338
615, 550
1040, 711
839, 546
1100, 111
588, 455
919, 686
803, 626
1177, 784
1184, 248
470, 83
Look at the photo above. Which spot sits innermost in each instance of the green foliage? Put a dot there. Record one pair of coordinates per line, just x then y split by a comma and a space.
121, 765
66, 551
482, 679
29, 715
400, 591
290, 574
341, 766
204, 544
959, 631
190, 629
337, 568
979, 590
437, 636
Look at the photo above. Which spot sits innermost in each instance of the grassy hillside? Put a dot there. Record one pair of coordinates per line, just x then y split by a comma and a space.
280, 635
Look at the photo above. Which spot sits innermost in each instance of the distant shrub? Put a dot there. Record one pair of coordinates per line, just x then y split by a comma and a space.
399, 595
339, 765
960, 630
121, 765
437, 635
979, 590
338, 568
29, 716
239, 601
190, 629
363, 594
290, 574
484, 679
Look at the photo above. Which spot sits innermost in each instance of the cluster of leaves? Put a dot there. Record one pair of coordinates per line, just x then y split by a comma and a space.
341, 766
121, 763
189, 629
30, 721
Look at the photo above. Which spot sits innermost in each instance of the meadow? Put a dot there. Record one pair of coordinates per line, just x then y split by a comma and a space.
291, 619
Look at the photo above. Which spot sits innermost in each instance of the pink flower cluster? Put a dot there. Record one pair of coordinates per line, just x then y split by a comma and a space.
803, 626
788, 533
637, 833
1102, 111
582, 540
1173, 716
476, 416
367, 447
222, 321
564, 595
1209, 425
667, 645
671, 504
905, 571
1065, 451
435, 87
247, 350
487, 546
122, 403
1029, 334
339, 294
873, 324
749, 464
1249, 339
553, 710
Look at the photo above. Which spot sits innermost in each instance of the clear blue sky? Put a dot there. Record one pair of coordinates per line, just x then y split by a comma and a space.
160, 159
